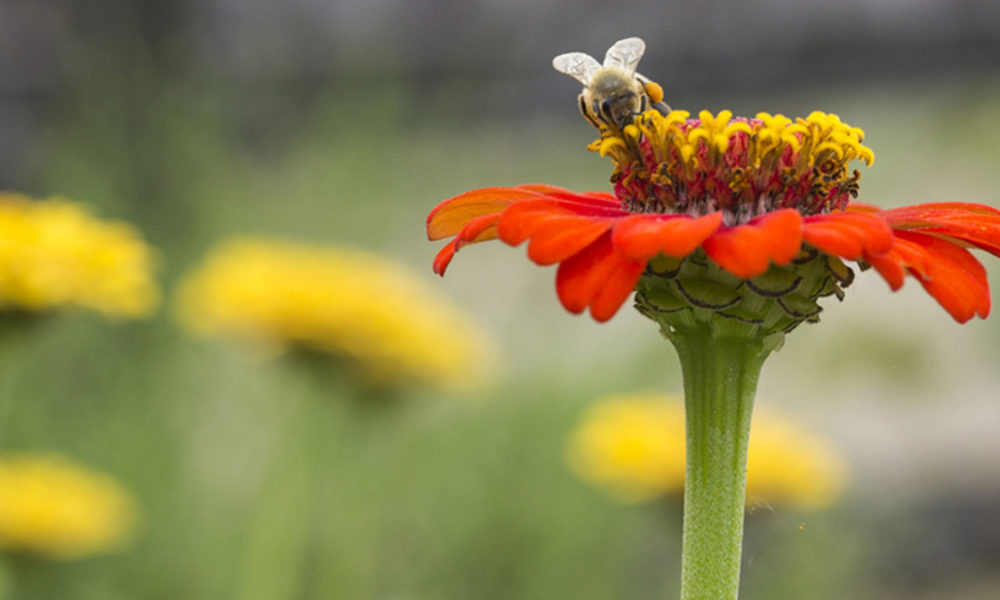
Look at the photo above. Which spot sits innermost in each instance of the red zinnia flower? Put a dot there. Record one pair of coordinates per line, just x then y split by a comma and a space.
751, 195
729, 231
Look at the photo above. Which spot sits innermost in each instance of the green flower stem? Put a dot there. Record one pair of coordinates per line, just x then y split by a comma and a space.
310, 536
720, 379
310, 405
277, 546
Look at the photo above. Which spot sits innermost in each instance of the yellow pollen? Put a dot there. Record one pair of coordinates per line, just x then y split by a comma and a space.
654, 91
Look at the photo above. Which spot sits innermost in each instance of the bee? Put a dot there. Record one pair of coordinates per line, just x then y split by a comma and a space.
613, 93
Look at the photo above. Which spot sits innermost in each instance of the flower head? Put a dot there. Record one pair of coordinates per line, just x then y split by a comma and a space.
634, 446
54, 254
52, 507
346, 302
727, 223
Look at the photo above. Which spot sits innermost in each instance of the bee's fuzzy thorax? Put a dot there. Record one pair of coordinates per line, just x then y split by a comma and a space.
610, 80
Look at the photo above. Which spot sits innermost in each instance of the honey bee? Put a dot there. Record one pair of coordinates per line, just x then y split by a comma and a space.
613, 93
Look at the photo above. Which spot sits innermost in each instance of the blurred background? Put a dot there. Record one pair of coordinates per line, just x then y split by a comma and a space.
345, 122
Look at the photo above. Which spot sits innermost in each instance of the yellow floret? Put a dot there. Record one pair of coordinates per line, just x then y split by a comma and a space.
376, 314
50, 506
768, 135
610, 143
634, 446
53, 253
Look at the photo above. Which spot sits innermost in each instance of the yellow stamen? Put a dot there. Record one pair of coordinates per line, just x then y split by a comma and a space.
609, 143
814, 151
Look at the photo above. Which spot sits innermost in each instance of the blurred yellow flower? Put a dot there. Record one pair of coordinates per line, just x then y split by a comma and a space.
376, 314
634, 446
52, 507
53, 253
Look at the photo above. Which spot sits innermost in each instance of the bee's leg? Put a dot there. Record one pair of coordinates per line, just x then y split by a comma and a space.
643, 107
586, 115
662, 108
654, 94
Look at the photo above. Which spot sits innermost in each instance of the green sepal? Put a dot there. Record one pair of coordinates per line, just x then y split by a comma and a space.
696, 293
800, 307
775, 282
704, 293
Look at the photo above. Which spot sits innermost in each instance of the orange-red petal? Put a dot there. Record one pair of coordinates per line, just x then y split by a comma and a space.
616, 289
848, 235
748, 250
606, 198
891, 267
948, 272
862, 207
557, 238
598, 277
905, 257
554, 191
954, 278
449, 217
522, 220
579, 278
643, 236
566, 221
443, 258
966, 223
479, 229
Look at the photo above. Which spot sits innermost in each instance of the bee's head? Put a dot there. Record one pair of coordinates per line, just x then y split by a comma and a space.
616, 96
619, 108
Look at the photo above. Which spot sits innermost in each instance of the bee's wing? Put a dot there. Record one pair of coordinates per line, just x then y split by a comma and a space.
625, 54
577, 65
